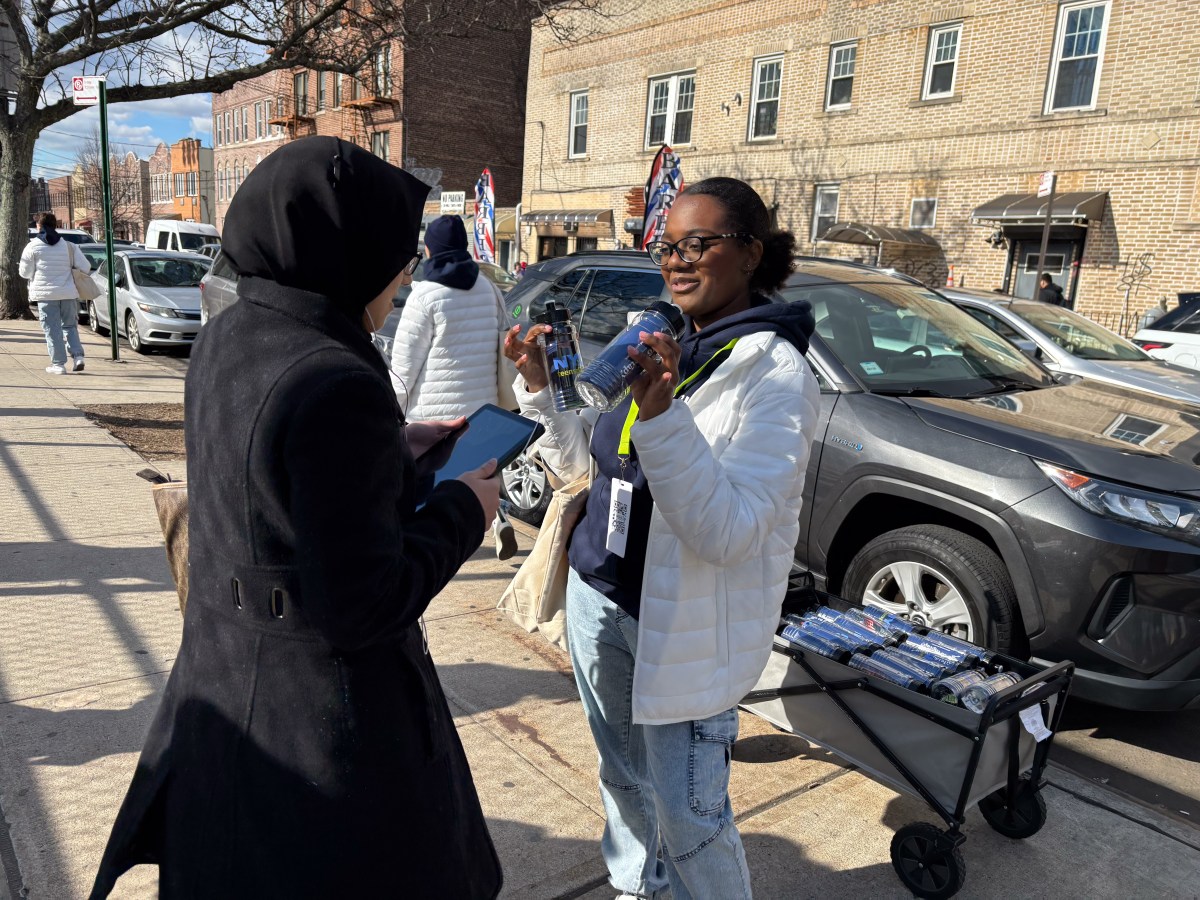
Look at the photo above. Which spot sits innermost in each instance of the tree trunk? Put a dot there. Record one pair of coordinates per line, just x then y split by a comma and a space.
16, 162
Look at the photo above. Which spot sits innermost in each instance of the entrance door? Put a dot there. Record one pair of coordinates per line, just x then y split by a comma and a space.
1059, 256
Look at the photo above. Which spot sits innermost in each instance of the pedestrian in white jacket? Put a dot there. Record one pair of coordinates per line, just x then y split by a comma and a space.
47, 263
668, 634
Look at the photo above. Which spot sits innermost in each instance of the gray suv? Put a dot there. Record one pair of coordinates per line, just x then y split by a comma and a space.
955, 481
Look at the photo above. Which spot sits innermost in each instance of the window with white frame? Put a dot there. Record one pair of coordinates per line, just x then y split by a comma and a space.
259, 122
840, 86
1134, 430
383, 71
246, 123
380, 141
300, 92
825, 207
180, 184
579, 124
923, 213
191, 184
669, 110
228, 128
337, 88
1078, 53
320, 76
237, 126
941, 63
764, 97
218, 131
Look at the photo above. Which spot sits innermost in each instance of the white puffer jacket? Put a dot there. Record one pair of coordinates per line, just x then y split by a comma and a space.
48, 269
726, 468
445, 352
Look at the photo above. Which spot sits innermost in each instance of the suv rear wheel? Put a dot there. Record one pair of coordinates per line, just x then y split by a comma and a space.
525, 486
939, 578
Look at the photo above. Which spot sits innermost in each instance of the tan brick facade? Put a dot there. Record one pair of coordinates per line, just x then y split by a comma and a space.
987, 134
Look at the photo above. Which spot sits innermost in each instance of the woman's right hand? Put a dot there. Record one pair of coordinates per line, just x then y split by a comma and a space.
486, 485
527, 356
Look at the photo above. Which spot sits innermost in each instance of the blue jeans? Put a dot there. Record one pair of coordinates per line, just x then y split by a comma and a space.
664, 787
60, 322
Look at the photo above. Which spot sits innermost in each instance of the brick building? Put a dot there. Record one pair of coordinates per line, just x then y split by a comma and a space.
162, 200
398, 107
922, 128
129, 189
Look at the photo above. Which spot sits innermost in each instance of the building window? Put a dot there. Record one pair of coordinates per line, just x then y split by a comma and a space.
379, 144
383, 71
1078, 52
842, 58
228, 128
180, 184
337, 88
579, 124
669, 110
764, 102
258, 121
191, 184
220, 184
246, 123
923, 213
300, 86
941, 64
237, 126
825, 208
355, 87
218, 131
320, 76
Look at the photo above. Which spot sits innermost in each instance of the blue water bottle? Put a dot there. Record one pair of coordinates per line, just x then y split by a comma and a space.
607, 379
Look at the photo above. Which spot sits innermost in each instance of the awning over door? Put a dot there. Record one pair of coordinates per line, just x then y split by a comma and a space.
1075, 208
873, 235
568, 217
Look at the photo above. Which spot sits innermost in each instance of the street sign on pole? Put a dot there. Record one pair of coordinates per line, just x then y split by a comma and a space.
1045, 189
85, 90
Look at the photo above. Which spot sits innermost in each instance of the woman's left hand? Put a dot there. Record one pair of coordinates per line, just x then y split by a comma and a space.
422, 436
655, 390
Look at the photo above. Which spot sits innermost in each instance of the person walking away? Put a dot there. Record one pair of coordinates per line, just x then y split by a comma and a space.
47, 263
1049, 292
303, 747
667, 634
444, 354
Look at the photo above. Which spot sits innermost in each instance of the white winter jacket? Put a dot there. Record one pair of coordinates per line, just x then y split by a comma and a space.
444, 357
48, 269
726, 468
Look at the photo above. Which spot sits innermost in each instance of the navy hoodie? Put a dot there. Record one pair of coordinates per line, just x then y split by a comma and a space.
620, 579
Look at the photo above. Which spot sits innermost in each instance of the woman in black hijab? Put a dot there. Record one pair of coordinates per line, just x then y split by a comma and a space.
303, 747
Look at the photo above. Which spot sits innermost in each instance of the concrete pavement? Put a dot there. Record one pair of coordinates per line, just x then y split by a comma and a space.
90, 627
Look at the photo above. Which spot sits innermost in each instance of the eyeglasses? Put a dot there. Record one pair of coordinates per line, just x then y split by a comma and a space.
412, 265
690, 249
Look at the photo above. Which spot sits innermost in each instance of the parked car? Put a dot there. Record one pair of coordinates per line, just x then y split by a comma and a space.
210, 250
158, 298
218, 288
74, 235
1068, 343
1174, 337
954, 481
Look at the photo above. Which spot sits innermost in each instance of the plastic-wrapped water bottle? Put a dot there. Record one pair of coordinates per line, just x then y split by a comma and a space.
979, 653
808, 640
827, 631
607, 379
930, 668
889, 672
874, 615
951, 690
916, 643
976, 697
880, 637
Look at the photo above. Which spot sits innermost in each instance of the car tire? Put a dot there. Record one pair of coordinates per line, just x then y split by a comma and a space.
93, 316
526, 489
941, 562
136, 344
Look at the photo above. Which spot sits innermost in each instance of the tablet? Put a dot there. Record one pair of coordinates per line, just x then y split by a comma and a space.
490, 433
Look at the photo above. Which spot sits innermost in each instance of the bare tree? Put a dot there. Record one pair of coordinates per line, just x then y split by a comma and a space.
156, 49
127, 192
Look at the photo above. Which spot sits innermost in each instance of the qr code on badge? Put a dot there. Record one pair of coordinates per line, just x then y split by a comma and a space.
620, 514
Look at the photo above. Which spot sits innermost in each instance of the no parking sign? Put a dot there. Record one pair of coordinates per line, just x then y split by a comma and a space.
86, 90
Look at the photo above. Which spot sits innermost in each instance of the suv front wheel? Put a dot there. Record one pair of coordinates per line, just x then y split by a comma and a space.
524, 485
938, 578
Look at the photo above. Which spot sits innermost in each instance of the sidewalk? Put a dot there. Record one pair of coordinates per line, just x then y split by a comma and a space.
91, 626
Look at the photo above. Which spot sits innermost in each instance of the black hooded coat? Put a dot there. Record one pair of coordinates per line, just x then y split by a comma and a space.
303, 746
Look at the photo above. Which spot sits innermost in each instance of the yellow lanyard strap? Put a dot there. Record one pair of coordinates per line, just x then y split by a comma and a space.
623, 447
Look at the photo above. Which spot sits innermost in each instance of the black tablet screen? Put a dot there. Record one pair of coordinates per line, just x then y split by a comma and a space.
491, 433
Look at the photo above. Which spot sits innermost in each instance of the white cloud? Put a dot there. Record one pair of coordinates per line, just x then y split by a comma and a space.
201, 126
191, 106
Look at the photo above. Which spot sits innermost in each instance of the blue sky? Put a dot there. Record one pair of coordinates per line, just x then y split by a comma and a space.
138, 127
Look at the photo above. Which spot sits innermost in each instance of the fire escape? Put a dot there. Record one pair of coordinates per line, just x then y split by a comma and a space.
294, 108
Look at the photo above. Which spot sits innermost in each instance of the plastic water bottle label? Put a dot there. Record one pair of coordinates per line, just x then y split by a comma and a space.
618, 517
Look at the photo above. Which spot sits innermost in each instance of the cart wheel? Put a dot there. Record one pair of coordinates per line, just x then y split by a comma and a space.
927, 861
1024, 819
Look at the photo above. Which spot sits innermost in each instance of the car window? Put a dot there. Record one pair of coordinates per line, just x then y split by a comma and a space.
94, 256
994, 322
563, 292
103, 270
168, 272
1077, 335
221, 268
193, 241
613, 294
1185, 319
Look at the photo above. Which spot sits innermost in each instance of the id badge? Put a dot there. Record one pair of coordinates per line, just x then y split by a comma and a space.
618, 517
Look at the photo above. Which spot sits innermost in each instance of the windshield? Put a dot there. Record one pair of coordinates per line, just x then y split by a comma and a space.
902, 339
497, 276
168, 272
196, 241
1075, 334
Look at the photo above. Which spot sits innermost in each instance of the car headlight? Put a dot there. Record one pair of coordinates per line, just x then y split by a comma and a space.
1177, 517
164, 311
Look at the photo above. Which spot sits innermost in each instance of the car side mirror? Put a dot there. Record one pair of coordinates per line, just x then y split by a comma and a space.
120, 280
1029, 348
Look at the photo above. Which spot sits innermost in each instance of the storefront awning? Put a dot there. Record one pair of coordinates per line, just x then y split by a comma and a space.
873, 235
1074, 208
568, 217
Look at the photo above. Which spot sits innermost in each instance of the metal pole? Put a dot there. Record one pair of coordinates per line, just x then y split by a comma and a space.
1037, 285
108, 225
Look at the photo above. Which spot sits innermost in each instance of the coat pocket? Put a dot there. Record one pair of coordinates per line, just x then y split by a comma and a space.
426, 699
708, 761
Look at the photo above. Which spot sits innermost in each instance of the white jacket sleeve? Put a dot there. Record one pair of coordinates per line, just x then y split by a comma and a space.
28, 262
410, 348
566, 446
725, 510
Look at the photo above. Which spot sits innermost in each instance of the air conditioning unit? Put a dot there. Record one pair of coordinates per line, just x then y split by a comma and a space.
570, 227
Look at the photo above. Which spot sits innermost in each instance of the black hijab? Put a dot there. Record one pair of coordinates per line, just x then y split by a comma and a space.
326, 217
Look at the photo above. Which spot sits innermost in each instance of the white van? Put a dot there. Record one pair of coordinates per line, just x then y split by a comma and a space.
172, 234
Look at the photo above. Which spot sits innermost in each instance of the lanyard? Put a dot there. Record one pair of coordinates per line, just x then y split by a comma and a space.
623, 447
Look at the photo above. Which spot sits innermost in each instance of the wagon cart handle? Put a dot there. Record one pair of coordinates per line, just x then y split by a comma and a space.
1026, 693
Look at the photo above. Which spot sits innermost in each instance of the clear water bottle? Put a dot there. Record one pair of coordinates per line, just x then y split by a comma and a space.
564, 362
974, 650
878, 636
889, 672
975, 698
607, 379
931, 668
951, 690
922, 645
808, 640
880, 617
830, 633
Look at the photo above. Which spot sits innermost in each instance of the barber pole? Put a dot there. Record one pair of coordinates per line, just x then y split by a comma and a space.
663, 186
485, 218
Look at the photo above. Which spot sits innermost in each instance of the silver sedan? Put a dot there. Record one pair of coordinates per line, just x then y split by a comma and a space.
158, 298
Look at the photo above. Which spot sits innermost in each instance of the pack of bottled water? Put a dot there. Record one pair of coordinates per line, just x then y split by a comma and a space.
887, 646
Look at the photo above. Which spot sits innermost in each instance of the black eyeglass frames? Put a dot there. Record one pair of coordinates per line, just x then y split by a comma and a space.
691, 248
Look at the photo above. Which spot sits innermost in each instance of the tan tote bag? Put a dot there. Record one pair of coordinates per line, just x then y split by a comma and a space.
506, 372
536, 599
